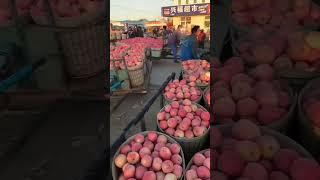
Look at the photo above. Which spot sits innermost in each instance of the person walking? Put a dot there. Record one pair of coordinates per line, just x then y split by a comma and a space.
201, 38
165, 33
140, 32
155, 32
130, 32
174, 41
189, 47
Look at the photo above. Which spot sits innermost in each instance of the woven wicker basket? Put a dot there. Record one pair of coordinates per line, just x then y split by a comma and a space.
136, 77
84, 49
82, 41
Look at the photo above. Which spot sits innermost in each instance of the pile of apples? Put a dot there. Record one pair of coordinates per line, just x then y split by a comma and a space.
149, 42
133, 56
253, 95
200, 167
310, 106
275, 14
196, 71
67, 8
247, 153
295, 50
117, 53
192, 66
184, 119
180, 90
6, 17
150, 157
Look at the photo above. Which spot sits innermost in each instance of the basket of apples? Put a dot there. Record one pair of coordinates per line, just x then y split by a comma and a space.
273, 14
180, 90
294, 56
80, 31
187, 122
68, 13
199, 166
149, 155
197, 72
244, 150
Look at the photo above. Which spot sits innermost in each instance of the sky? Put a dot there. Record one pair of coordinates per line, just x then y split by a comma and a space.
137, 9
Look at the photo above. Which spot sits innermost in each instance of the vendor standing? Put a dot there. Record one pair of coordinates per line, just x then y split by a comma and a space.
174, 41
165, 33
155, 32
140, 32
130, 32
201, 38
190, 45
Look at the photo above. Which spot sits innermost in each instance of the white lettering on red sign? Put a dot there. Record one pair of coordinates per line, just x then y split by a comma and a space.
173, 10
194, 8
180, 9
186, 8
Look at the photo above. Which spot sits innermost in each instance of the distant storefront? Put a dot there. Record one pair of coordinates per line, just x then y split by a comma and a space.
154, 24
189, 13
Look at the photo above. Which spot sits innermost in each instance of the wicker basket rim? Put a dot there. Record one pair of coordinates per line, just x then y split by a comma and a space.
280, 137
191, 160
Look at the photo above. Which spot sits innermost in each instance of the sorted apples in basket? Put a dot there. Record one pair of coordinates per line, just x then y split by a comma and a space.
245, 151
149, 42
191, 66
180, 90
275, 14
67, 8
149, 156
295, 50
199, 166
196, 71
199, 78
254, 95
133, 56
184, 119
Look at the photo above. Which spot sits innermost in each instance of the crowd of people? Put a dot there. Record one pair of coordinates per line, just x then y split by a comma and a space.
135, 31
189, 46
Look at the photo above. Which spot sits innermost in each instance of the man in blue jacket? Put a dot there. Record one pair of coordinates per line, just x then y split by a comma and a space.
190, 45
174, 41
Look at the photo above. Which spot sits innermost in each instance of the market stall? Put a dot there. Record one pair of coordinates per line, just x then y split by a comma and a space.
131, 65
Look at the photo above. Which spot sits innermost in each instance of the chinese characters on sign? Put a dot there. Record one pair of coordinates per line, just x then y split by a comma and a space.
186, 10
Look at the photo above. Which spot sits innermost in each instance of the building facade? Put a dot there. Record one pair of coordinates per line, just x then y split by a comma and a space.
189, 13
